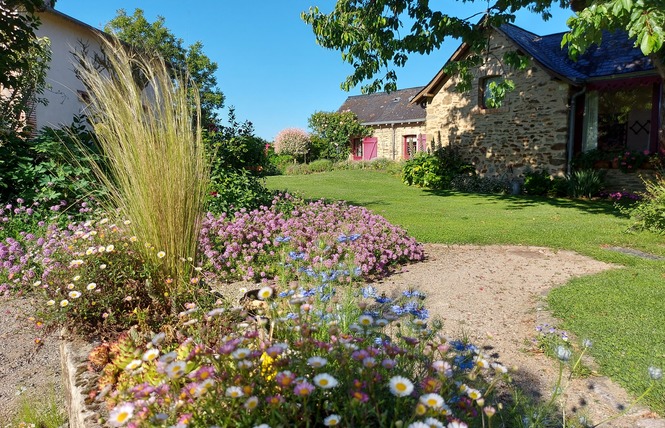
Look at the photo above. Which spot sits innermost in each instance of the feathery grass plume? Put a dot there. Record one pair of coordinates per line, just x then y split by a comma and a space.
148, 129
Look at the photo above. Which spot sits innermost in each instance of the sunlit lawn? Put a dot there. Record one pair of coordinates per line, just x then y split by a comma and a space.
621, 310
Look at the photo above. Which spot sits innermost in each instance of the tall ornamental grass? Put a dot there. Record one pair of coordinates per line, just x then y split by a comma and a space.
148, 128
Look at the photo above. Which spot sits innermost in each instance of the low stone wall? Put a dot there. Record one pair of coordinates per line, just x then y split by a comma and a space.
78, 381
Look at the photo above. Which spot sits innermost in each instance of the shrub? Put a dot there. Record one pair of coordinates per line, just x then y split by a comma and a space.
332, 132
157, 171
52, 166
649, 213
237, 189
321, 165
537, 183
475, 184
436, 170
242, 152
586, 183
292, 141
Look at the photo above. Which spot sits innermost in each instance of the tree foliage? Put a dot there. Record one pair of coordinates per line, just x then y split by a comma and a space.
377, 36
292, 141
155, 37
23, 66
332, 132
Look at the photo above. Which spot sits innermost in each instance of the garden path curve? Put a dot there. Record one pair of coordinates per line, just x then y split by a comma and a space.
495, 296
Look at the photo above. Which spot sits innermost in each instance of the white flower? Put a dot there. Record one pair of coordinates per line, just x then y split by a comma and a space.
332, 420
133, 365
175, 369
215, 312
101, 249
161, 255
110, 248
473, 394
457, 424
655, 373
432, 400
37, 284
74, 294
158, 338
365, 320
316, 362
265, 293
150, 354
434, 423
240, 353
563, 353
234, 392
262, 426
418, 424
76, 278
91, 286
245, 364
126, 222
75, 263
499, 368
120, 415
64, 303
50, 303
251, 403
325, 381
400, 386
102, 266
382, 322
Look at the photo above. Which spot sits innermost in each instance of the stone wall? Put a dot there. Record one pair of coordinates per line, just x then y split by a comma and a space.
618, 181
391, 139
529, 131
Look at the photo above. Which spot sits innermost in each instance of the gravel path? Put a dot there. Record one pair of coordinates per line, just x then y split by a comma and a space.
494, 295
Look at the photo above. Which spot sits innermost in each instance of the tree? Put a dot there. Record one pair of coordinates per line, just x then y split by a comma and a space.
156, 37
294, 142
332, 132
23, 65
369, 33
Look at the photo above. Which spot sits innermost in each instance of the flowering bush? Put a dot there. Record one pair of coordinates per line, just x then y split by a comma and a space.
292, 141
294, 364
630, 160
305, 241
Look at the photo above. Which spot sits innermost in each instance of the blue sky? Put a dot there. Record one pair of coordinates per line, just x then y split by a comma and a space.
270, 67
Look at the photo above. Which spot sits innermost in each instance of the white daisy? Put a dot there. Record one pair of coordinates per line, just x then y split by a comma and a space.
234, 392
434, 423
74, 294
316, 362
332, 420
133, 365
325, 381
176, 369
91, 286
150, 354
265, 293
432, 400
240, 353
64, 303
251, 403
400, 386
120, 415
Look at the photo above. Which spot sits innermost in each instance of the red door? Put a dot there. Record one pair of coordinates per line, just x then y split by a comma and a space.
370, 148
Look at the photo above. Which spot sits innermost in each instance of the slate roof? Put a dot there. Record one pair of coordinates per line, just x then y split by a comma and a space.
615, 55
385, 108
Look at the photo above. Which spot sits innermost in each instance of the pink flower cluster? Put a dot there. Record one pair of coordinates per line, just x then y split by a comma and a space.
315, 237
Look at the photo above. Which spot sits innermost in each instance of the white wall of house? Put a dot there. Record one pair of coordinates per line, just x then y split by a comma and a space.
63, 89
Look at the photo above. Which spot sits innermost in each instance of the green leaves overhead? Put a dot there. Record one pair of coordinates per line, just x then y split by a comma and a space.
377, 36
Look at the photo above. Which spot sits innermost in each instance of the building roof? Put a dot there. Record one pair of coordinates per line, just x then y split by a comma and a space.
385, 108
616, 55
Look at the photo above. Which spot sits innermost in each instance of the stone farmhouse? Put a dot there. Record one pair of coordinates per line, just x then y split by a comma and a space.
610, 100
398, 124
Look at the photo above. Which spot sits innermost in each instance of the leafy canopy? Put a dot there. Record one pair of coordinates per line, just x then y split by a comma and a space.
23, 64
332, 131
155, 37
377, 36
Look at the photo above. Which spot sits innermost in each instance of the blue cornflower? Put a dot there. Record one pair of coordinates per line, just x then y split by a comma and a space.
397, 309
354, 237
357, 271
291, 316
368, 292
286, 293
380, 341
342, 238
283, 239
326, 297
296, 255
383, 299
458, 345
464, 363
413, 293
422, 314
309, 293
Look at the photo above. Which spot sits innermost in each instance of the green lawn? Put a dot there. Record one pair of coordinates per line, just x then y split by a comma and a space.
622, 311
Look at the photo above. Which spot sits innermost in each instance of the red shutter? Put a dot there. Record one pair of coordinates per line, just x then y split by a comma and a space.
370, 148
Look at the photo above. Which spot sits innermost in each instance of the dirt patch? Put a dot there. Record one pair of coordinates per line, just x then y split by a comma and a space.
494, 295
